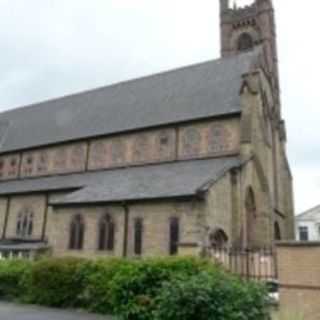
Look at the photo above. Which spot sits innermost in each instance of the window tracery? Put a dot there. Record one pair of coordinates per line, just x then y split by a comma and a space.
24, 227
106, 238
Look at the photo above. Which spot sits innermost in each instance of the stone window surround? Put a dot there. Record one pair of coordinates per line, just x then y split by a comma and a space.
24, 227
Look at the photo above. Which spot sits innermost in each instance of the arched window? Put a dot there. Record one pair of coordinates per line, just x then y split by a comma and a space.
218, 238
277, 231
251, 211
245, 42
174, 236
138, 236
76, 233
106, 233
24, 227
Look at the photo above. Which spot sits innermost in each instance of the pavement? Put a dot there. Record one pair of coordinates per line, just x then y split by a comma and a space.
10, 311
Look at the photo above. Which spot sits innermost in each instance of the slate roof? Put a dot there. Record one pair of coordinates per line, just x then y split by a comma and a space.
177, 179
194, 92
53, 183
312, 214
180, 179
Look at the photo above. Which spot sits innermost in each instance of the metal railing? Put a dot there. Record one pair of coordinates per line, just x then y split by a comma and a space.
254, 264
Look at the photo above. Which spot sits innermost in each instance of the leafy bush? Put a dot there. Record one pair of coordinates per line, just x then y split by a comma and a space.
157, 289
56, 282
11, 275
136, 285
97, 278
211, 296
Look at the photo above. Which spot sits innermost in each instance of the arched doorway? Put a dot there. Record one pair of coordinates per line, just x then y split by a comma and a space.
251, 216
218, 238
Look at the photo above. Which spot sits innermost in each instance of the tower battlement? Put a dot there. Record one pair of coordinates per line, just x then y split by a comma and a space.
238, 13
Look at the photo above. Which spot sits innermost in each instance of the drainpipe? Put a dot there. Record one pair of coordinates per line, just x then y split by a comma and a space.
45, 219
126, 230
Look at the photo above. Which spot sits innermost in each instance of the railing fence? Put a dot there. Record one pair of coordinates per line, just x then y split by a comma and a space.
254, 264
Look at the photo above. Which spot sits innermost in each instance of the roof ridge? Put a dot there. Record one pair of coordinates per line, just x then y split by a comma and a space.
203, 90
128, 81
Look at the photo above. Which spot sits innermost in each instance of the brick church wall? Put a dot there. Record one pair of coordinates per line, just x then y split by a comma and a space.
219, 199
209, 139
55, 160
133, 149
58, 230
197, 140
156, 218
9, 166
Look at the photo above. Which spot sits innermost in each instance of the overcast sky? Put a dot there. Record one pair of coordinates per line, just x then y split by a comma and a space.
51, 48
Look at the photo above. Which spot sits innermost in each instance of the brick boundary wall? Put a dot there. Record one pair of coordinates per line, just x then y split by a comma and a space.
299, 278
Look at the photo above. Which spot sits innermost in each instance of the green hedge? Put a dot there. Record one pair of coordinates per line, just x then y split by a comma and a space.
56, 282
166, 289
211, 296
97, 278
12, 274
135, 286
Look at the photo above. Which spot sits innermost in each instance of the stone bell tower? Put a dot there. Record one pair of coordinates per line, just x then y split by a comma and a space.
244, 28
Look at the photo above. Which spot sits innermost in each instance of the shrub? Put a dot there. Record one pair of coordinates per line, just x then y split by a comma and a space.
136, 285
157, 289
11, 278
57, 282
97, 278
211, 296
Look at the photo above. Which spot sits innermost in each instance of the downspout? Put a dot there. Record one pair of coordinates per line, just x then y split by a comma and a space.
126, 229
45, 219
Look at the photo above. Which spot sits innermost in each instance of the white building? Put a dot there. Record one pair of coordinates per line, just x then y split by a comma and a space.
308, 225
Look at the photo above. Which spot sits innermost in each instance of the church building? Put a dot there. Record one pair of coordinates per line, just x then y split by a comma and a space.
162, 165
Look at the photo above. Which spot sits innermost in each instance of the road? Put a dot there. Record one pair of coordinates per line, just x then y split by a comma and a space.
10, 311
